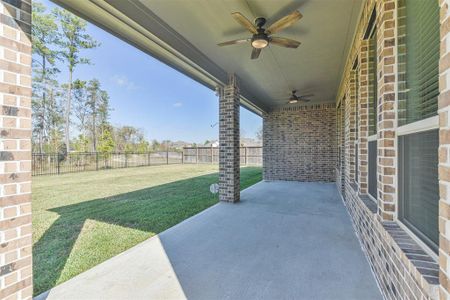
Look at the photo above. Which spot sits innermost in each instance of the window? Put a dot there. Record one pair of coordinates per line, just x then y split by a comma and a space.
356, 74
418, 77
373, 83
419, 184
372, 176
371, 36
418, 36
338, 136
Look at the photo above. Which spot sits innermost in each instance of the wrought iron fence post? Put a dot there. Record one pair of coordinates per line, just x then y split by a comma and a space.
212, 158
167, 156
57, 160
96, 161
196, 155
148, 158
126, 160
182, 156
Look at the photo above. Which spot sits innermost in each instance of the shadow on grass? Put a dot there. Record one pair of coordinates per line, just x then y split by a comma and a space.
151, 210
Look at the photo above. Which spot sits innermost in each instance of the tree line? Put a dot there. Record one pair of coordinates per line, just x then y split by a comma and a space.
60, 40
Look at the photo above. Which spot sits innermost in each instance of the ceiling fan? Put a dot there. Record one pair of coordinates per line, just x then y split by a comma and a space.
262, 37
302, 98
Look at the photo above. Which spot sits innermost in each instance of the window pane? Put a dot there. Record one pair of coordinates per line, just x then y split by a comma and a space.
373, 83
356, 121
373, 168
357, 102
356, 162
418, 37
419, 184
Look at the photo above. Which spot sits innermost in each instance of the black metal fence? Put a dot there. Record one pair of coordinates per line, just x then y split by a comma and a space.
55, 164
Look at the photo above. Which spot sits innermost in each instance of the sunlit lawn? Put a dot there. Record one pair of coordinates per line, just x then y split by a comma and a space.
80, 220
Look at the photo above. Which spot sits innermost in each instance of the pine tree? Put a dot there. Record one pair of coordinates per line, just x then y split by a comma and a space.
81, 108
106, 142
45, 36
73, 40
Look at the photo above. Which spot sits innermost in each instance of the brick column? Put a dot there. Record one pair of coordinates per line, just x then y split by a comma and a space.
341, 147
350, 129
363, 117
444, 153
229, 150
15, 150
386, 125
346, 131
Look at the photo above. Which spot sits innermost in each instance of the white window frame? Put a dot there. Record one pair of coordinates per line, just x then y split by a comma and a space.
372, 137
419, 241
356, 179
419, 126
372, 198
431, 123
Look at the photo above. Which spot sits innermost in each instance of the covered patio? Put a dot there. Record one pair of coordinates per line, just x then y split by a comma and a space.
282, 241
374, 131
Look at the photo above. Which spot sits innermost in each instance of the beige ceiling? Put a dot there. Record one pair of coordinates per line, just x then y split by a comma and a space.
185, 33
325, 31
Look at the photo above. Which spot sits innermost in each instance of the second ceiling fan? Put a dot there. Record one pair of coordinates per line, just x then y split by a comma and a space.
293, 99
262, 37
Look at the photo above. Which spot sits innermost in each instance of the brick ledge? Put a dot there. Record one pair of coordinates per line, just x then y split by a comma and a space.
369, 203
423, 267
413, 254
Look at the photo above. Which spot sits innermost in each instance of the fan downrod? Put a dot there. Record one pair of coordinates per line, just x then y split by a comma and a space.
260, 22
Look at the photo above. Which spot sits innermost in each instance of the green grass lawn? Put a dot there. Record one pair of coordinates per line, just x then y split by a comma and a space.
80, 220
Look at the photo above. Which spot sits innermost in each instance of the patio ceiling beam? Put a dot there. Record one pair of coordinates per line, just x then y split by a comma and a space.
162, 42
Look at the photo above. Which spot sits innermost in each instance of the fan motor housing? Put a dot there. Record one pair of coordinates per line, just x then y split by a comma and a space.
259, 22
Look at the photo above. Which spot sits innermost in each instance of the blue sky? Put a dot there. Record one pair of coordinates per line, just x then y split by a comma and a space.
147, 94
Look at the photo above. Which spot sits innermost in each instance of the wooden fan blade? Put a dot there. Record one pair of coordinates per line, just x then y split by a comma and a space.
284, 42
244, 22
233, 42
284, 22
306, 96
255, 53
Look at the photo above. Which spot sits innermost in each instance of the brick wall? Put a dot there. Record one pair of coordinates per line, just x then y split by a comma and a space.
349, 129
15, 150
363, 120
402, 266
340, 168
387, 116
299, 143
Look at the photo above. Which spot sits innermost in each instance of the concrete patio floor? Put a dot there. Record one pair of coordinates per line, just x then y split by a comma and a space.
284, 240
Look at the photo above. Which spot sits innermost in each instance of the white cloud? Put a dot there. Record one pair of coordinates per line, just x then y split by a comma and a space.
177, 104
123, 81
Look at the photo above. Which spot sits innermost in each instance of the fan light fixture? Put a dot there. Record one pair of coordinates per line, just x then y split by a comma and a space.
293, 101
260, 42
